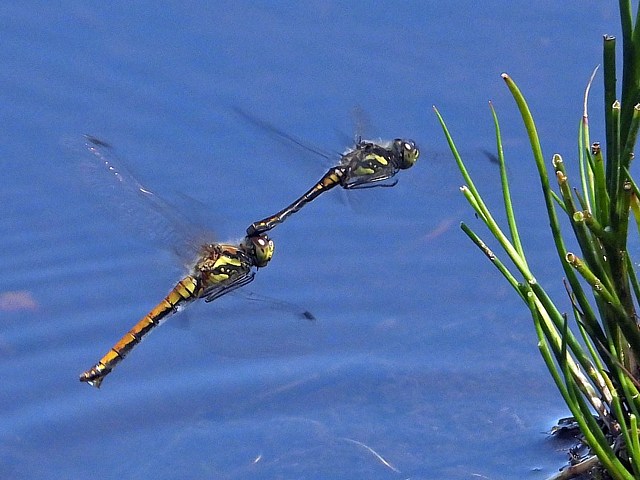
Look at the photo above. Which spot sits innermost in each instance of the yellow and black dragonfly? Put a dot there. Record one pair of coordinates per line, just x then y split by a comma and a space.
219, 269
368, 164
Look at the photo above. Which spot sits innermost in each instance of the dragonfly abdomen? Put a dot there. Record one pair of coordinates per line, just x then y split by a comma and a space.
183, 292
329, 180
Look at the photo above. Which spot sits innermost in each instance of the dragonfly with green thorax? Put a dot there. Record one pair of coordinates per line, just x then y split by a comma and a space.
368, 164
219, 268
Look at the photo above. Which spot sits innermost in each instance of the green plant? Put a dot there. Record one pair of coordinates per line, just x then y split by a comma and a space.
600, 373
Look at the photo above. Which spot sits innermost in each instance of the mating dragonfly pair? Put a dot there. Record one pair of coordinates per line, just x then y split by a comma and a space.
221, 268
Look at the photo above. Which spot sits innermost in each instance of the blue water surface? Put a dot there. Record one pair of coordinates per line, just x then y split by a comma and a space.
422, 363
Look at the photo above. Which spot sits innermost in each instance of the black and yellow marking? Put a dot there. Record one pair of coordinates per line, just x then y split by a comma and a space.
182, 293
329, 180
367, 165
221, 269
231, 270
371, 164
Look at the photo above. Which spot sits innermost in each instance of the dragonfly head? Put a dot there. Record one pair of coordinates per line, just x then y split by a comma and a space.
407, 152
260, 248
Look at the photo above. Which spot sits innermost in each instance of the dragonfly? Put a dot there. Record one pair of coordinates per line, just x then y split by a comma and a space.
219, 268
368, 164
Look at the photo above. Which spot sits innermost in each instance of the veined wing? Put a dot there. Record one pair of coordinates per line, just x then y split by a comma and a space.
363, 161
331, 158
120, 195
287, 138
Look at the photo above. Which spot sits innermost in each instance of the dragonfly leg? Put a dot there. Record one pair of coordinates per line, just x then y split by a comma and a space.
371, 184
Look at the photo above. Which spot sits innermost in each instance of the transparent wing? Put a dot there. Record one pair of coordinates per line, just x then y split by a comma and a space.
120, 196
284, 136
277, 304
362, 123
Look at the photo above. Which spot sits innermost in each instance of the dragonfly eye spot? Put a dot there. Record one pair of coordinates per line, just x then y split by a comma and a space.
262, 250
409, 153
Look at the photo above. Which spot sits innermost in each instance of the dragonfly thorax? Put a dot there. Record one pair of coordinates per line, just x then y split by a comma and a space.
406, 151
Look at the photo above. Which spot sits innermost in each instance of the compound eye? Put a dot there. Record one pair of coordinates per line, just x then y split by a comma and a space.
263, 247
410, 154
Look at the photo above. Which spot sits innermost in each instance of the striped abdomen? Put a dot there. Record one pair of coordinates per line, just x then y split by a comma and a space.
330, 179
185, 291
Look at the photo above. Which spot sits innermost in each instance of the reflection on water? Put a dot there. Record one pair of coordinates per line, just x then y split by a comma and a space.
17, 300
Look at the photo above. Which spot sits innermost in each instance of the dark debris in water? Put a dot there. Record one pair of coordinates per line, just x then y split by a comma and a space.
582, 463
566, 429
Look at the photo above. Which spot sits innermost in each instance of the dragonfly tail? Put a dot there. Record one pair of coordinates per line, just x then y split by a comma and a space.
330, 179
184, 291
